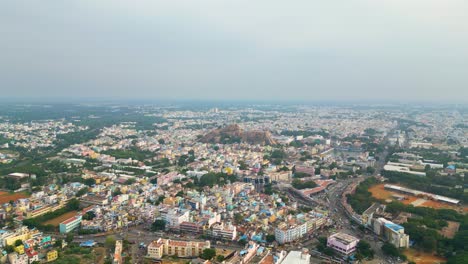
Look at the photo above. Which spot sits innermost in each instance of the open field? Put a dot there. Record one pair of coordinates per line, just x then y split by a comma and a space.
5, 197
379, 192
450, 230
57, 220
422, 257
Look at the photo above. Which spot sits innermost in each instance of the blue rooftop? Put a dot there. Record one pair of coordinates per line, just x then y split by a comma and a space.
394, 227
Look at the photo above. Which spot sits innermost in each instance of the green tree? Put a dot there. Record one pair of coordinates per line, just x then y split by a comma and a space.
208, 253
9, 248
238, 218
158, 225
429, 243
89, 215
58, 243
270, 238
90, 182
370, 170
69, 238
110, 241
18, 242
364, 249
73, 205
390, 250
82, 192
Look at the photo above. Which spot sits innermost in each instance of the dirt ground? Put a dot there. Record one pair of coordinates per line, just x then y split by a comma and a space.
379, 192
5, 197
57, 220
450, 230
422, 257
100, 253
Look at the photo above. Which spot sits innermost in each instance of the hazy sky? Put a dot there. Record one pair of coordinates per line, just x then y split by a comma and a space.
234, 49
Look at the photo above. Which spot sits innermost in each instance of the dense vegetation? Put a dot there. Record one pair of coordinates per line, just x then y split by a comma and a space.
298, 184
362, 198
213, 178
422, 228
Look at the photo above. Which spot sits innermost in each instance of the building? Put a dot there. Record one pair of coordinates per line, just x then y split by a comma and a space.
160, 247
190, 227
222, 231
51, 255
303, 224
297, 257
94, 200
342, 243
175, 217
22, 233
286, 234
15, 258
404, 169
70, 224
395, 234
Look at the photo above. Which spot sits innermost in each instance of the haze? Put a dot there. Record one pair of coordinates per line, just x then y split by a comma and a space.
400, 50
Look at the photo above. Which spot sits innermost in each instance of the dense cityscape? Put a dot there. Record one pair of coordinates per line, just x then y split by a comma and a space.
233, 183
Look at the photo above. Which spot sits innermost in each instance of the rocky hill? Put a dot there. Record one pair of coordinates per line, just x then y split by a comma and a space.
234, 134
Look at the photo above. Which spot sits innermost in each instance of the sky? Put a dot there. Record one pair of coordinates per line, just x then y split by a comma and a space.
308, 50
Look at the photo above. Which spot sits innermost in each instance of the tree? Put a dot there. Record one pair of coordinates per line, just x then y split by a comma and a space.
90, 182
158, 225
130, 181
18, 242
270, 238
333, 165
9, 248
82, 192
298, 184
364, 249
58, 243
220, 258
161, 141
238, 218
110, 241
89, 215
73, 205
69, 238
429, 243
329, 251
370, 170
208, 253
390, 250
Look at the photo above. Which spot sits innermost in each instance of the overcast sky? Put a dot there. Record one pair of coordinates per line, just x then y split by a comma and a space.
309, 50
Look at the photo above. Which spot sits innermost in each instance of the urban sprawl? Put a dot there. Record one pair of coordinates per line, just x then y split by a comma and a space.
233, 184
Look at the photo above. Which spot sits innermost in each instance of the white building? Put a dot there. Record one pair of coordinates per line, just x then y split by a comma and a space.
286, 234
297, 257
342, 243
